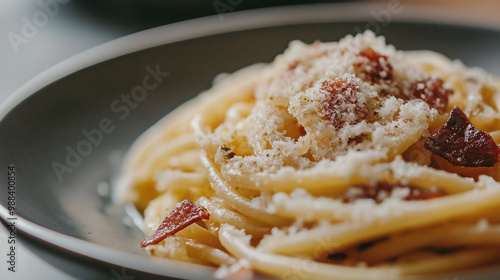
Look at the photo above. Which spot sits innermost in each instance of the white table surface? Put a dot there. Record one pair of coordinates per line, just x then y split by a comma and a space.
68, 32
28, 264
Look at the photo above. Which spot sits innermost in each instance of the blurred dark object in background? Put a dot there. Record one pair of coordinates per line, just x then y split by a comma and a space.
74, 26
141, 14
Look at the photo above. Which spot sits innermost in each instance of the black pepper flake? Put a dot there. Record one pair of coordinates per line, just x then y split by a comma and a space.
228, 152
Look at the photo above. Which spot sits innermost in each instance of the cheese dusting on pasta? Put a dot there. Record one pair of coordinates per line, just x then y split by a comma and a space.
339, 160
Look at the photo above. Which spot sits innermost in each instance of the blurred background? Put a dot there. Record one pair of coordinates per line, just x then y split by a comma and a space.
38, 34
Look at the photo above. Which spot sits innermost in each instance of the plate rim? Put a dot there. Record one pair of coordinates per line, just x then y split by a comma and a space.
178, 32
234, 21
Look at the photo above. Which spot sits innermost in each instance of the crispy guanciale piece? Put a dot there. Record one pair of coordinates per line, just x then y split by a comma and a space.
460, 143
384, 190
184, 214
377, 66
342, 104
432, 91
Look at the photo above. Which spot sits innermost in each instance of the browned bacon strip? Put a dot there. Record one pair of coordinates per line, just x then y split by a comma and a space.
376, 67
184, 214
433, 92
460, 143
342, 104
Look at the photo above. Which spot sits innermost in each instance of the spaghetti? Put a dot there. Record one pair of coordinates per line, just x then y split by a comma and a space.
342, 160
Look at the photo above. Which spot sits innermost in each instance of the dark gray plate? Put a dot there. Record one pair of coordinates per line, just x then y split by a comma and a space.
48, 121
